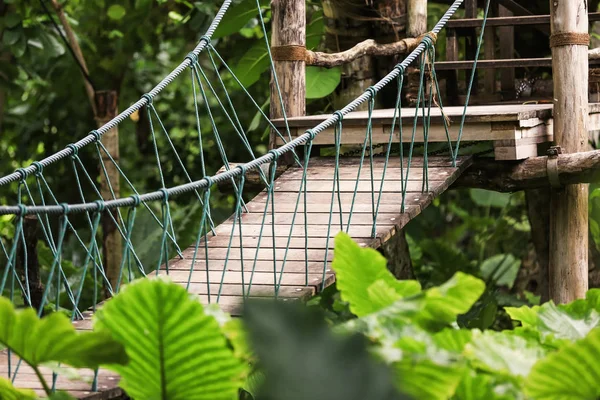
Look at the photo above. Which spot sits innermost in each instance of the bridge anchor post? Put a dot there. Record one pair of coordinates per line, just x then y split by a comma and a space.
568, 261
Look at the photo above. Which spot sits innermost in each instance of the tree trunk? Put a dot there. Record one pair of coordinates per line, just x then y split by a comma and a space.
106, 106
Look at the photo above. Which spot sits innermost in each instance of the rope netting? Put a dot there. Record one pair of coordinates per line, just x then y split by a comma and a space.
82, 222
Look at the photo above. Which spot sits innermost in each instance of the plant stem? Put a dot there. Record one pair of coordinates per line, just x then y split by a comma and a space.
42, 380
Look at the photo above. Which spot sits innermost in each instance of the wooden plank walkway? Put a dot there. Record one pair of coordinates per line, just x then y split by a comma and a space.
293, 280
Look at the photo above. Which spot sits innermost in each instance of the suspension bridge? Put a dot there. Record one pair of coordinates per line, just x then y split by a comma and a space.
280, 242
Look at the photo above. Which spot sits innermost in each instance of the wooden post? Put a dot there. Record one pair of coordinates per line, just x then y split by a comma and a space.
417, 25
452, 75
33, 279
569, 205
489, 51
106, 105
289, 29
507, 51
471, 44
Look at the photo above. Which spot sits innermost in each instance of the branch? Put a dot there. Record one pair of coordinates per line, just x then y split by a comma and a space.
511, 176
365, 48
77, 50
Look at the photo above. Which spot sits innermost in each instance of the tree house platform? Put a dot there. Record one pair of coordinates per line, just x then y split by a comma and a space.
516, 130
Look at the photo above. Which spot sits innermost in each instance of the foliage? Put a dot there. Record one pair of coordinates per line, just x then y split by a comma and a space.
419, 338
175, 349
303, 359
54, 339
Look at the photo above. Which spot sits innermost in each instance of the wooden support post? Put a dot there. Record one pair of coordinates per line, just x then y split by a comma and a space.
569, 205
32, 279
489, 51
507, 51
452, 77
106, 105
417, 25
289, 28
471, 43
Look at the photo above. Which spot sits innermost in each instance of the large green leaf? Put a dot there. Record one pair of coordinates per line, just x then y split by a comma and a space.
237, 17
176, 351
54, 338
363, 278
488, 198
302, 359
501, 269
321, 82
426, 380
315, 30
558, 325
252, 64
508, 355
572, 373
442, 304
9, 392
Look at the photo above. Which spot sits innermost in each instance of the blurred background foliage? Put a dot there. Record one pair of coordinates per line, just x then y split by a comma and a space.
131, 45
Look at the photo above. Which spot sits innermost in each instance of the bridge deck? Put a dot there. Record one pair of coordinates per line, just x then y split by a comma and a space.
293, 280
516, 130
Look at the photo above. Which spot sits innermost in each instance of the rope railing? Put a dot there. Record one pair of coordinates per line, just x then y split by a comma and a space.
231, 174
95, 135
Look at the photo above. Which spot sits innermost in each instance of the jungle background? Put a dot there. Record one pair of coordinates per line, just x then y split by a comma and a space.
130, 45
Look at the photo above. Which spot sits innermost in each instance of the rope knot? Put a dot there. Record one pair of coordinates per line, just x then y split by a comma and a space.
205, 39
209, 182
101, 205
22, 209
243, 169
65, 208
23, 173
340, 116
148, 98
136, 200
311, 134
428, 38
39, 168
96, 135
569, 39
165, 195
74, 150
193, 57
276, 154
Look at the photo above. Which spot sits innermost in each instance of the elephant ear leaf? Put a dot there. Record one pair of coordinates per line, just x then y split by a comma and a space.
176, 350
9, 392
54, 339
572, 373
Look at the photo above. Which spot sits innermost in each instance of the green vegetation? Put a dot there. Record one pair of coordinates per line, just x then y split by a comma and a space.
400, 342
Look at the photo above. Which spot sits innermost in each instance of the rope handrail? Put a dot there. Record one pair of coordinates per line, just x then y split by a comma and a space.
205, 183
96, 134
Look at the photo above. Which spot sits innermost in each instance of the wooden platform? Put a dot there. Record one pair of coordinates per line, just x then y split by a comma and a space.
293, 283
516, 130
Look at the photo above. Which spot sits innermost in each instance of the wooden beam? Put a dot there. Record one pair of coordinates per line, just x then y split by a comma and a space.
508, 20
532, 173
569, 205
289, 28
365, 48
508, 63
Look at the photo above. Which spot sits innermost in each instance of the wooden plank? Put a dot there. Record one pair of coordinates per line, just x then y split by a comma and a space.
350, 186
506, 63
507, 21
498, 113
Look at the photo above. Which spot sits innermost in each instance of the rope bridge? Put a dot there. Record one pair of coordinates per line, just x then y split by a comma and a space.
277, 244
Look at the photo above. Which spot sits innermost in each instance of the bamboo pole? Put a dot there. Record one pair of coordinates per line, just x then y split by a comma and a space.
569, 205
289, 29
